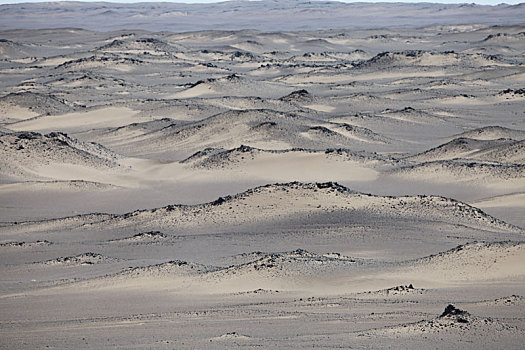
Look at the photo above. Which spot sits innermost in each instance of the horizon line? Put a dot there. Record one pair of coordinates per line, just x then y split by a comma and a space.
203, 2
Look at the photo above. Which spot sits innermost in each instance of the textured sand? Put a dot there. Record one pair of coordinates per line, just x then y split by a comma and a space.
271, 189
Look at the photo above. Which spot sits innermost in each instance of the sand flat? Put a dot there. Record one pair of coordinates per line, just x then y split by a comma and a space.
105, 117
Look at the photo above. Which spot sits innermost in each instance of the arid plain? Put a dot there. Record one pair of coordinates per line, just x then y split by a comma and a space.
242, 189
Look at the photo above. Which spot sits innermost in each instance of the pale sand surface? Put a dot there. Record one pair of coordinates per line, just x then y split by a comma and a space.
243, 189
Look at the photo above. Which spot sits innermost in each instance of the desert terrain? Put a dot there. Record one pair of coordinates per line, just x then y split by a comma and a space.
221, 189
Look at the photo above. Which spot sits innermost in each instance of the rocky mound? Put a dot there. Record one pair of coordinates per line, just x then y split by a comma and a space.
268, 203
233, 85
493, 133
212, 158
119, 135
299, 262
143, 237
265, 273
87, 80
33, 103
230, 336
266, 129
470, 262
427, 58
446, 171
81, 259
395, 291
298, 96
497, 151
504, 37
452, 321
26, 244
168, 269
100, 61
13, 50
510, 300
23, 153
512, 93
412, 116
150, 45
358, 133
509, 153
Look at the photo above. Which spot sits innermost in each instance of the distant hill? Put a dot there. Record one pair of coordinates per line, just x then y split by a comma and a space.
262, 15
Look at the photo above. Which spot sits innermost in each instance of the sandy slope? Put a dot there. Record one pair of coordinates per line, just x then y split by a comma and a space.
299, 270
24, 154
486, 174
279, 202
469, 263
494, 133
500, 150
79, 120
267, 129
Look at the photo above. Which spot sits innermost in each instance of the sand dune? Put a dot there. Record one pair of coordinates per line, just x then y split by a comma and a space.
235, 86
491, 156
26, 153
56, 186
273, 203
151, 46
493, 133
26, 105
294, 164
422, 64
289, 270
212, 158
512, 153
471, 262
324, 274
448, 171
498, 151
514, 199
411, 115
113, 62
258, 187
265, 129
